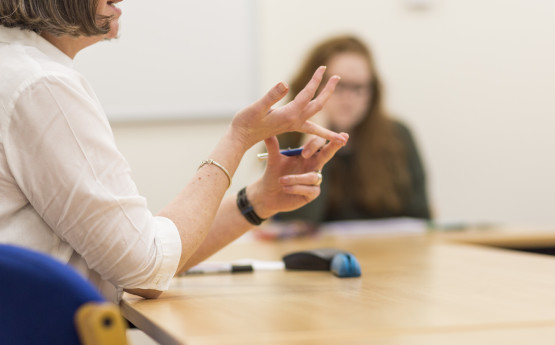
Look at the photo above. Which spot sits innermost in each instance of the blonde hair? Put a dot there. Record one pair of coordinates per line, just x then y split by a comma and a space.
58, 17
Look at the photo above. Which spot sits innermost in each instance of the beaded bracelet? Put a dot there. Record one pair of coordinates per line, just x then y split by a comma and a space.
246, 208
213, 162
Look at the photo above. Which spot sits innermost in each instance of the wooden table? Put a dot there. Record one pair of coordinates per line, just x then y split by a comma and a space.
505, 237
413, 290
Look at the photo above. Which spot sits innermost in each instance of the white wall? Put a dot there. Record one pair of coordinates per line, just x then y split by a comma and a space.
165, 155
474, 80
153, 77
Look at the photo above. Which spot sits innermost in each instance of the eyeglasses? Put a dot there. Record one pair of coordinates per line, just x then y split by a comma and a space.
354, 88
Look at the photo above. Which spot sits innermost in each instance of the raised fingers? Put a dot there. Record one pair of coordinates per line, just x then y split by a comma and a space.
317, 103
307, 94
312, 128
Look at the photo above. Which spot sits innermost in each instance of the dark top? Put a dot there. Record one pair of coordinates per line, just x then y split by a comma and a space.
415, 204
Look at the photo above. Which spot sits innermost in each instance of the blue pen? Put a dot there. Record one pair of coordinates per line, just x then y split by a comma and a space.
288, 152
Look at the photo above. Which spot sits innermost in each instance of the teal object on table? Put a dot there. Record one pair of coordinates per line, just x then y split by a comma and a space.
345, 266
341, 263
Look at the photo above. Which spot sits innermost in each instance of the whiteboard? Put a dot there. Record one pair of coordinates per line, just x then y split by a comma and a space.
175, 59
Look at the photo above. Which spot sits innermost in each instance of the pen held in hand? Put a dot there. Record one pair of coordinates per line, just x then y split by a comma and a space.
288, 152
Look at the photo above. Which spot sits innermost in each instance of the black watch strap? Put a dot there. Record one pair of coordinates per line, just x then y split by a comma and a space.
246, 208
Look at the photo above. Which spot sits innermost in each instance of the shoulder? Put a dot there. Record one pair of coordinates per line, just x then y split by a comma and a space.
410, 146
22, 66
402, 130
33, 94
39, 91
25, 74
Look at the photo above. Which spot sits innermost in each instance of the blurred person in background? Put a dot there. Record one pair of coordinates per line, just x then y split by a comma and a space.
379, 174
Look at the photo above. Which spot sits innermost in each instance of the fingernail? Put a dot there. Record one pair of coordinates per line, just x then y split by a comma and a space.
281, 87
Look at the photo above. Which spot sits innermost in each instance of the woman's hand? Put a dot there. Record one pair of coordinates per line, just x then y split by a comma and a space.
259, 121
291, 182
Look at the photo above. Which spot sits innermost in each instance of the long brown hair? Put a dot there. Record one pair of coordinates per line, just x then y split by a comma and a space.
380, 166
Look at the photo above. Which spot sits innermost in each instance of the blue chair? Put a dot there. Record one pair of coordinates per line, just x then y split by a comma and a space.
43, 301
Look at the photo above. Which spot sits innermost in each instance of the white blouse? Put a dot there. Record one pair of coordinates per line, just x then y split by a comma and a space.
65, 189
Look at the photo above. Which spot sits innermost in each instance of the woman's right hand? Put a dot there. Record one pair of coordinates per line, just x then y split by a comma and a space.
290, 182
260, 121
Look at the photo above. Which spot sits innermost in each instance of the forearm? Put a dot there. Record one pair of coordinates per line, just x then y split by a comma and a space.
228, 225
194, 209
202, 228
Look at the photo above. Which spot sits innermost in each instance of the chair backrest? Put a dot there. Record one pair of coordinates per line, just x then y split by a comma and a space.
39, 298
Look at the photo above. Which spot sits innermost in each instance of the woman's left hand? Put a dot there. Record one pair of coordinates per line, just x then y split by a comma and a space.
291, 182
260, 120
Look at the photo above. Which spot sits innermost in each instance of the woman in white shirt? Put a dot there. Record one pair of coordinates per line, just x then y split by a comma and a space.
66, 190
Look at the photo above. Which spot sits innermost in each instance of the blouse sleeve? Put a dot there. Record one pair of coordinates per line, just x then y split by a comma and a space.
62, 153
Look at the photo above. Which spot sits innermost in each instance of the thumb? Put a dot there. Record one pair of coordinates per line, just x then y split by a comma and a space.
272, 146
